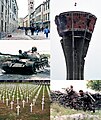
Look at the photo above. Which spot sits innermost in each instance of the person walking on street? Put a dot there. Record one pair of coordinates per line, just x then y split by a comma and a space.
37, 30
46, 31
42, 29
26, 30
32, 28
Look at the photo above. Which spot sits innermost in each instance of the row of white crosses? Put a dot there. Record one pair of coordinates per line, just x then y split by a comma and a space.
17, 96
34, 100
23, 102
43, 98
48, 91
27, 99
11, 91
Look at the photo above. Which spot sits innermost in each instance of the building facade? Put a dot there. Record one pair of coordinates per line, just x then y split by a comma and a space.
26, 21
20, 22
46, 13
30, 6
41, 15
8, 16
30, 9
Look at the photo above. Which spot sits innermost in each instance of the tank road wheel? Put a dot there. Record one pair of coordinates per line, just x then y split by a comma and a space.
31, 69
34, 69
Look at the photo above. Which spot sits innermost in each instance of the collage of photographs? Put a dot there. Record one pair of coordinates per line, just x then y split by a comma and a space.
50, 60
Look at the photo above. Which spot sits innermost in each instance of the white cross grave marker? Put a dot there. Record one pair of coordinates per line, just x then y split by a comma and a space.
23, 103
0, 96
7, 101
42, 105
3, 99
9, 96
11, 105
6, 94
27, 99
31, 105
17, 100
34, 100
13, 98
18, 109
21, 97
43, 98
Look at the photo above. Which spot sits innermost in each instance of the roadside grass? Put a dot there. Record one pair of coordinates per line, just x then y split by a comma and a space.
58, 110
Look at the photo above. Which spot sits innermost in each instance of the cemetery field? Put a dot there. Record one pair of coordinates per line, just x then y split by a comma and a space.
24, 101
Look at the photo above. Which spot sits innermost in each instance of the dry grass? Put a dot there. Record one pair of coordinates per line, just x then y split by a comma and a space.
57, 110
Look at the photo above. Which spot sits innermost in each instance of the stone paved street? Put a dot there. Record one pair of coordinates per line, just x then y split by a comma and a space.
40, 36
20, 35
17, 35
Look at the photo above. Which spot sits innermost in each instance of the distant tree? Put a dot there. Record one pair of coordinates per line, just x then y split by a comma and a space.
45, 55
94, 85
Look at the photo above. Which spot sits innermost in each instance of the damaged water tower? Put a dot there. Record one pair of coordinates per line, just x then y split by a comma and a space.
75, 28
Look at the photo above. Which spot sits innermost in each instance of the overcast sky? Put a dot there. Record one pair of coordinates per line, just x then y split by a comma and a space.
13, 46
93, 59
23, 6
77, 85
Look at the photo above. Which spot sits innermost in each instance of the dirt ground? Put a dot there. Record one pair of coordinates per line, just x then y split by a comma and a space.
43, 75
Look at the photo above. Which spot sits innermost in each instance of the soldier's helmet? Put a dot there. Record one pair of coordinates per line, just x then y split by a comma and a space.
20, 51
71, 86
81, 92
34, 49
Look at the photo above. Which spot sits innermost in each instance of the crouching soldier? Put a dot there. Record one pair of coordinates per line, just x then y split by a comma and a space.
87, 101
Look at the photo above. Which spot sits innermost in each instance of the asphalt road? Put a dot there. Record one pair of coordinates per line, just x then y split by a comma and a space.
41, 75
20, 35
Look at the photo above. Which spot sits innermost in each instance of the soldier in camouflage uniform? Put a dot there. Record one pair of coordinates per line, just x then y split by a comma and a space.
86, 101
72, 96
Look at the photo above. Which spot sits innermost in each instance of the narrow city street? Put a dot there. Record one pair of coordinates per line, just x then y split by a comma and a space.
20, 35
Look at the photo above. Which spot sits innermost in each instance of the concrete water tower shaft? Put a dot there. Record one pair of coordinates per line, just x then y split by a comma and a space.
75, 28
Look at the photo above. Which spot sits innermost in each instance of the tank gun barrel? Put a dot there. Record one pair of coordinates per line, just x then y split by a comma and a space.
9, 55
64, 88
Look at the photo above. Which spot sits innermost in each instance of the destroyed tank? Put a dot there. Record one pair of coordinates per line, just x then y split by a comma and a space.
23, 64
